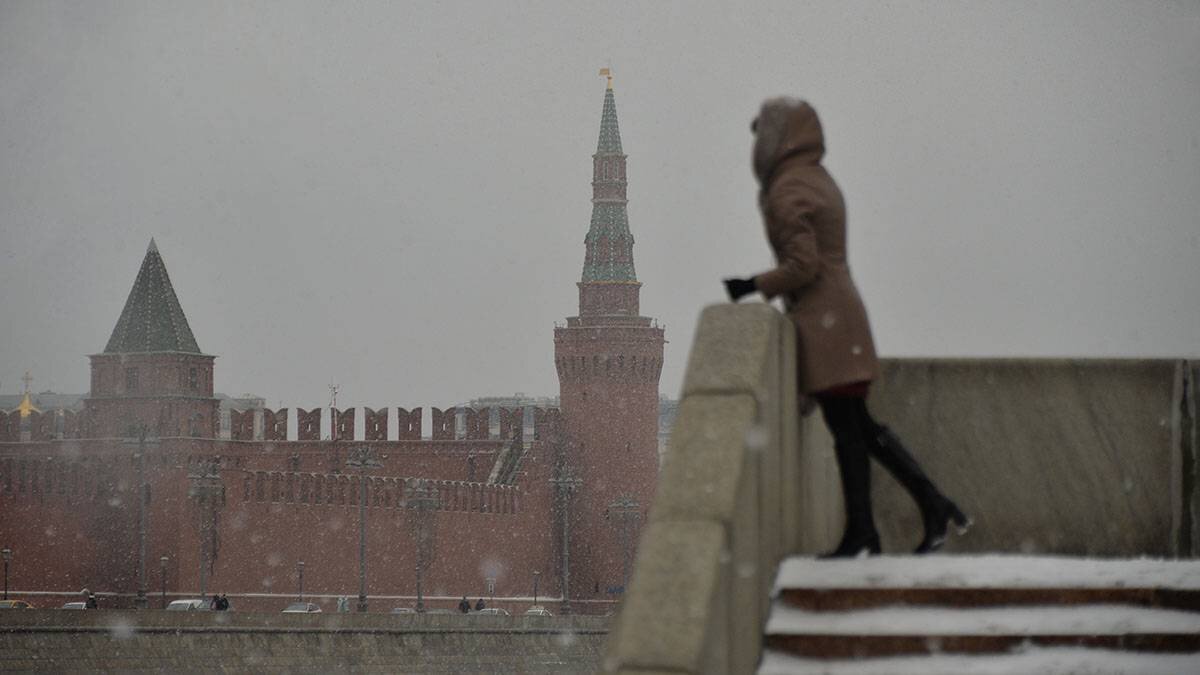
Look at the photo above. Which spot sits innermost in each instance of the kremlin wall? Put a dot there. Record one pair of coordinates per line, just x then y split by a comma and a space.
497, 503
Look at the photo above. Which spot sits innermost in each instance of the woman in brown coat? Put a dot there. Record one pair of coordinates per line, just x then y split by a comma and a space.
805, 219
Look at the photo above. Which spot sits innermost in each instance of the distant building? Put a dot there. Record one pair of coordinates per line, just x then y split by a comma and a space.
497, 493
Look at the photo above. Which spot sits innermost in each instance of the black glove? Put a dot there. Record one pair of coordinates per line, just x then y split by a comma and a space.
736, 288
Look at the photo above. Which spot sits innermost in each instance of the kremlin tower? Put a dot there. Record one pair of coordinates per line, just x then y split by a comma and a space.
609, 358
152, 377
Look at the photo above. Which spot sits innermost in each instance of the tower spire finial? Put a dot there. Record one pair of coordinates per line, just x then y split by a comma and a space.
607, 72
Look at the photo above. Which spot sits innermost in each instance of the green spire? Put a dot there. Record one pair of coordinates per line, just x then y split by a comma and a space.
152, 320
609, 245
609, 256
610, 134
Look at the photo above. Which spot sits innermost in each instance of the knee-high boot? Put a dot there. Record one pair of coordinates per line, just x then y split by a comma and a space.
937, 511
855, 468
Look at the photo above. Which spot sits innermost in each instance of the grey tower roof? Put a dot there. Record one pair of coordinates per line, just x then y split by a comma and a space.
152, 320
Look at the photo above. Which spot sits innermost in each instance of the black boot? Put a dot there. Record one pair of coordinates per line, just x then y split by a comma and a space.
937, 511
860, 535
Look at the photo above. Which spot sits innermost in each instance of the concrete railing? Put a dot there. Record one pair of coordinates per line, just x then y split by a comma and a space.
727, 506
1092, 457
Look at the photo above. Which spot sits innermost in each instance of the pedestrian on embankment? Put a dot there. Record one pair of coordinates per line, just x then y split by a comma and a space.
805, 218
464, 605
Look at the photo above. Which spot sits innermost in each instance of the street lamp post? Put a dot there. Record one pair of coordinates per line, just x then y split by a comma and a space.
565, 484
300, 573
7, 553
141, 601
536, 576
206, 488
363, 459
162, 574
422, 501
625, 513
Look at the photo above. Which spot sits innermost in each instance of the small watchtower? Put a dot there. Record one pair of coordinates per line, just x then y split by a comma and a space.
152, 374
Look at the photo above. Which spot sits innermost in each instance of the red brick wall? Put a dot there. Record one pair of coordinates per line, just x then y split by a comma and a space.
608, 378
68, 510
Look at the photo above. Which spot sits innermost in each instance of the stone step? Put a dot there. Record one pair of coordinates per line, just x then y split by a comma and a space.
982, 581
1027, 660
898, 631
846, 599
899, 610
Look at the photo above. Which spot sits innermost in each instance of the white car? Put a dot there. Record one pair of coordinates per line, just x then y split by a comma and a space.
302, 608
493, 611
403, 610
192, 605
74, 605
537, 610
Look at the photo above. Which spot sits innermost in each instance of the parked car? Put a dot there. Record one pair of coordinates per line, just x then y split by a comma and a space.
493, 611
190, 605
302, 608
403, 610
537, 610
439, 610
15, 604
74, 605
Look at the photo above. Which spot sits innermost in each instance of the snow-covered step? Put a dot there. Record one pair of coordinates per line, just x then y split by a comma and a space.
983, 614
935, 621
977, 581
1026, 661
930, 630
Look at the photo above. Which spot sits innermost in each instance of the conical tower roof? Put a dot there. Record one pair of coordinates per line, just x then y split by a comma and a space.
152, 320
609, 243
610, 133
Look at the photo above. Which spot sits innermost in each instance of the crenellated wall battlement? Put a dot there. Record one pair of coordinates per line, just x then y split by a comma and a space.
450, 424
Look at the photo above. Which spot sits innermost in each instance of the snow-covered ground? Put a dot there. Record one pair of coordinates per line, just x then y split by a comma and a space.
988, 571
1028, 661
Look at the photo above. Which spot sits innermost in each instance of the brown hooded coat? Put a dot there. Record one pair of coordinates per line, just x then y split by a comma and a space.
805, 219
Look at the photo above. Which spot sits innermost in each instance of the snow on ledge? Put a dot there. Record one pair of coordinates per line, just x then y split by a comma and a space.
1043, 661
935, 621
988, 571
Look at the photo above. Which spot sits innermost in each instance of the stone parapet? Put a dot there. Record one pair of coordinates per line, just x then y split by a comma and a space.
726, 508
1094, 457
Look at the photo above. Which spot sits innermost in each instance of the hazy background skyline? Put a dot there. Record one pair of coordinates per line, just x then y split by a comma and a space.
393, 197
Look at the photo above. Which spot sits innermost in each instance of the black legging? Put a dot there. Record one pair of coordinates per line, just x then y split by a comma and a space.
848, 419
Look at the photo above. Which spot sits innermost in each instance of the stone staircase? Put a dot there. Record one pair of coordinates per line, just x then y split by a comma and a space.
983, 614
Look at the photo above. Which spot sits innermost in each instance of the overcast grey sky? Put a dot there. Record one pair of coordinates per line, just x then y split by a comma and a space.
393, 196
